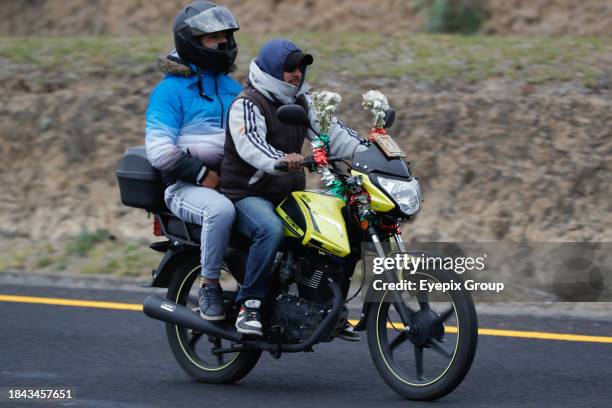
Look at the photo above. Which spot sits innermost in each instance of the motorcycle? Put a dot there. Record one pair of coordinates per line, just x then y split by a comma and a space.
311, 278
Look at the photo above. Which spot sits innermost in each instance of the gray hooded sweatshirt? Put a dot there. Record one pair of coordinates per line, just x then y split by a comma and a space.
250, 141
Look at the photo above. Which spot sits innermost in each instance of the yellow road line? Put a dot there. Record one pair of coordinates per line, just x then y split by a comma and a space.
449, 329
72, 302
519, 334
545, 335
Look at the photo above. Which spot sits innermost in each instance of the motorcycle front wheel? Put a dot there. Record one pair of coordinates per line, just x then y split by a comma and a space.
429, 355
195, 351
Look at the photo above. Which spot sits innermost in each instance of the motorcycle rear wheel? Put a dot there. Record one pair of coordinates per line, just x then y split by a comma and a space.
406, 373
188, 347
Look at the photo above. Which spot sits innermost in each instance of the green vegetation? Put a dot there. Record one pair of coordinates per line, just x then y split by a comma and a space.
80, 53
96, 252
452, 16
425, 57
85, 242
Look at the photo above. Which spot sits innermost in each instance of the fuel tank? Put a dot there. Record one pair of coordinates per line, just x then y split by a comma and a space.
317, 220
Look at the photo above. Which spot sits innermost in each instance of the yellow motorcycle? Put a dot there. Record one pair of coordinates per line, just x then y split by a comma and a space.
422, 344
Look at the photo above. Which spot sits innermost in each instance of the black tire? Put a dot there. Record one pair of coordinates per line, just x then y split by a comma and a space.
240, 364
459, 362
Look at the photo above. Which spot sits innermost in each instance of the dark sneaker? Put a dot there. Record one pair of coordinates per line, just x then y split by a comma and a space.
211, 302
347, 333
249, 321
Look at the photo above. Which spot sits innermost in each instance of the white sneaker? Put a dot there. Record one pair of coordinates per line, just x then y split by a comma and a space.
249, 320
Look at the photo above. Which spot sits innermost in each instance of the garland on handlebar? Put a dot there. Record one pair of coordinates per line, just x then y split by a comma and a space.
325, 103
350, 189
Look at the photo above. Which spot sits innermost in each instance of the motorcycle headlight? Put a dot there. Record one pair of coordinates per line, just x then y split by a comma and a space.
407, 194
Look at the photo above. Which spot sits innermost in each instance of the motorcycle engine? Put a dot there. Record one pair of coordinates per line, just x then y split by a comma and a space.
296, 316
310, 274
297, 319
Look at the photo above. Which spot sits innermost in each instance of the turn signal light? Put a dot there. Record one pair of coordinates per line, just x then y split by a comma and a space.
364, 225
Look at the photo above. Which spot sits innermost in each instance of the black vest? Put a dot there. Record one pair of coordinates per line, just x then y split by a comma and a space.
236, 173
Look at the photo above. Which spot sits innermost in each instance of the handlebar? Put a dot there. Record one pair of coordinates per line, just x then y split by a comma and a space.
308, 162
281, 165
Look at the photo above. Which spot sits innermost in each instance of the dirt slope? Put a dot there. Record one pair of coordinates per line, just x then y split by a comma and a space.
133, 17
496, 163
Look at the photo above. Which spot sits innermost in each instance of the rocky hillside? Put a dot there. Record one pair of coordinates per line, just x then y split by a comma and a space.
514, 146
138, 17
550, 17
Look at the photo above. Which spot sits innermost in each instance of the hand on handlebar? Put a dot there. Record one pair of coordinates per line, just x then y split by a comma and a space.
293, 161
307, 161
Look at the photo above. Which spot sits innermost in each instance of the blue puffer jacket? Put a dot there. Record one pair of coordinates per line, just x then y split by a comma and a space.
184, 132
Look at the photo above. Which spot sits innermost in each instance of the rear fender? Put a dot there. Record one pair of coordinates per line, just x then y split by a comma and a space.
174, 256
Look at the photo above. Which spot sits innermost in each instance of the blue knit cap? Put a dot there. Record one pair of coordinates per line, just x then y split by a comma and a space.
272, 56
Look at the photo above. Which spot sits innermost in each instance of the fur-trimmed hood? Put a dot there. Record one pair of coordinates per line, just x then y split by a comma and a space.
172, 64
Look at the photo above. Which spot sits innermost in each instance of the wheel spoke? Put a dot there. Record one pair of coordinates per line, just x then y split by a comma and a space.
194, 338
423, 299
437, 348
219, 355
402, 337
418, 357
444, 315
404, 311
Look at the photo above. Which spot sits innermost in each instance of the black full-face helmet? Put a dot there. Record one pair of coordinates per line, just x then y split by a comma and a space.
199, 18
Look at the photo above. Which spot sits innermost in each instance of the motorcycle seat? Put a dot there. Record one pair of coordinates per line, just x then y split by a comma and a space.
175, 228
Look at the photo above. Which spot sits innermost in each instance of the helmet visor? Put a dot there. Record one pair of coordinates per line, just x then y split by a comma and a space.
212, 20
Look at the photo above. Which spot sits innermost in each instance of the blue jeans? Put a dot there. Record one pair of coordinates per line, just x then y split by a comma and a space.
255, 218
210, 209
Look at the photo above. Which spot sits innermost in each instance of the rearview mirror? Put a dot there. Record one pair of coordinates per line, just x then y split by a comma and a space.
389, 117
293, 115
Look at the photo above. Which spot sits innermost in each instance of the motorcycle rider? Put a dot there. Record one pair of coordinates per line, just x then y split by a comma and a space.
184, 134
256, 141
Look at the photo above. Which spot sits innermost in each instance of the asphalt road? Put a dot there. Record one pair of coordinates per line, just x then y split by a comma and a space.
120, 358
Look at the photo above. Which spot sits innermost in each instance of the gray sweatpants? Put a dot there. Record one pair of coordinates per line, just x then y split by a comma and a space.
210, 209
